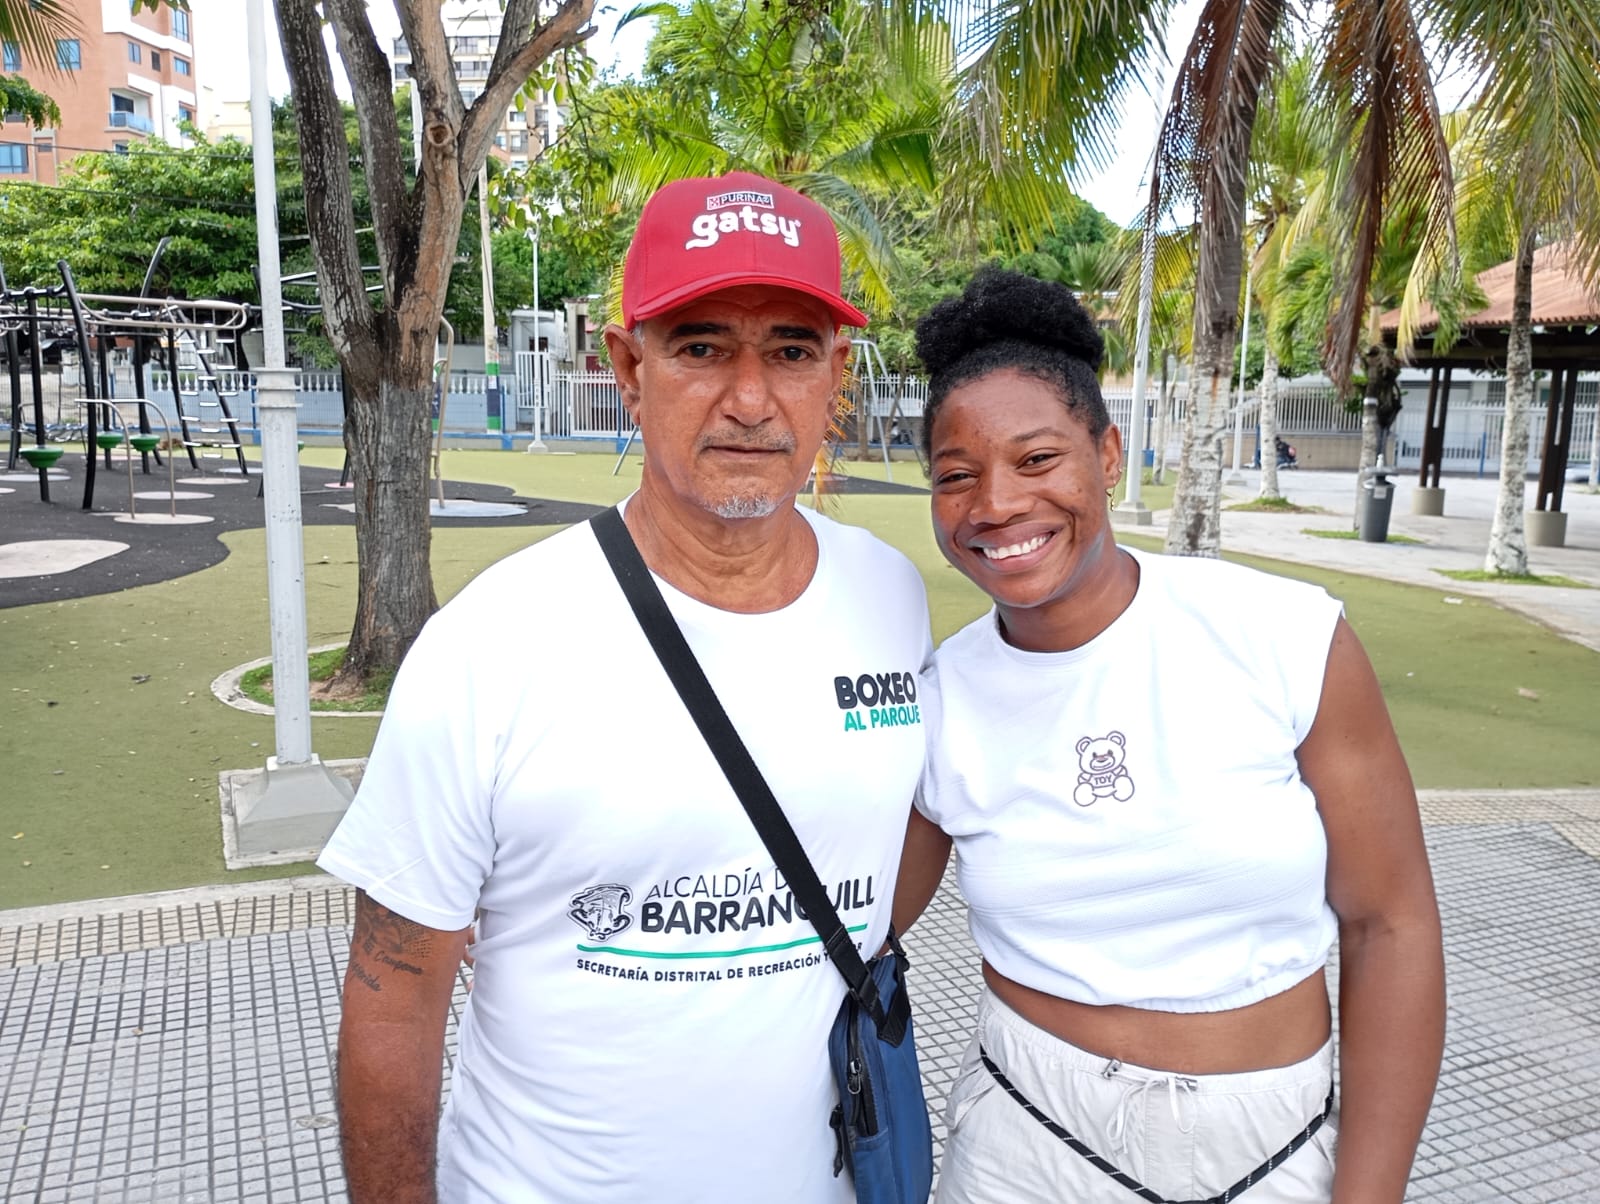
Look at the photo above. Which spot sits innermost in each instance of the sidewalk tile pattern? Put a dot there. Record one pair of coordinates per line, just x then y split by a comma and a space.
182, 1054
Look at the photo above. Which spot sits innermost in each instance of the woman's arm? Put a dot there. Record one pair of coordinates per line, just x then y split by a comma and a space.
922, 862
1391, 957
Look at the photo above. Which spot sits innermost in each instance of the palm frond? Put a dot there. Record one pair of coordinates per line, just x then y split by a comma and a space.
1376, 72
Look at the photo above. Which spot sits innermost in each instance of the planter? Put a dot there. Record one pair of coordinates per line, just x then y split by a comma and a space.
1547, 528
1425, 499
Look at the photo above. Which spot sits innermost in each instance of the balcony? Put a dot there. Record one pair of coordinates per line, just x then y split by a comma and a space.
137, 122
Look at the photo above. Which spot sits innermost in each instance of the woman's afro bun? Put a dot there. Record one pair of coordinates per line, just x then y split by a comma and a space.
1000, 306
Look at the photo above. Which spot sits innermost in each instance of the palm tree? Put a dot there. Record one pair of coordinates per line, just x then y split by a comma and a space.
33, 26
1291, 146
801, 94
1034, 56
1534, 150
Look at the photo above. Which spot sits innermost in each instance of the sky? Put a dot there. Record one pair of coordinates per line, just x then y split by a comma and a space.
1117, 190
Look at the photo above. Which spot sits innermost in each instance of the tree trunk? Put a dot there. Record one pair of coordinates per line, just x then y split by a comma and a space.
1158, 461
1194, 527
388, 435
1508, 546
1269, 422
1369, 454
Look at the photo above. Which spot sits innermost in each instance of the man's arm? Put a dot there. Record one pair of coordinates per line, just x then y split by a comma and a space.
1391, 958
391, 1053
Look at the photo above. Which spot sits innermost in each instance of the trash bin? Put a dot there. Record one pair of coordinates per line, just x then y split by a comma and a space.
1377, 500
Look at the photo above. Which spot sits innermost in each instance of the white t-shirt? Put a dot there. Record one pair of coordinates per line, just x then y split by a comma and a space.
650, 1012
1130, 818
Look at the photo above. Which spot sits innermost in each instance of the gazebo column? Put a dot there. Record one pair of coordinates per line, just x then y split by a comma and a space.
1428, 497
1547, 522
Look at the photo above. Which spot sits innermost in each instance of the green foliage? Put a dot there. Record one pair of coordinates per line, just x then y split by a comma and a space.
112, 209
19, 96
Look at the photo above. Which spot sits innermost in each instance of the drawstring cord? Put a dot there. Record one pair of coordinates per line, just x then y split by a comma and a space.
1133, 1102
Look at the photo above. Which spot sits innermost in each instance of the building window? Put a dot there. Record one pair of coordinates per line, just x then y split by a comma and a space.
69, 54
519, 142
516, 117
180, 25
135, 52
155, 60
120, 148
181, 66
185, 113
13, 56
13, 159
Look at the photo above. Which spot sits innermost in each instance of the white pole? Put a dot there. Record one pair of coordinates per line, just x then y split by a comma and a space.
538, 358
286, 811
1238, 414
1594, 448
1132, 508
286, 593
491, 345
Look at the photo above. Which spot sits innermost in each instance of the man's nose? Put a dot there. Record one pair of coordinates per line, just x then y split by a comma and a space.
749, 400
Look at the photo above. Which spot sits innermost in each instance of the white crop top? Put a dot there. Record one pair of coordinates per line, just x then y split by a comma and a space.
1129, 817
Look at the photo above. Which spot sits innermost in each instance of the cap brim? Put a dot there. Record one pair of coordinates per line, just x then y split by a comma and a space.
844, 313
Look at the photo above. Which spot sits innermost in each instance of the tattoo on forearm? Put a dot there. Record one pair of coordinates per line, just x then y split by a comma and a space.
387, 939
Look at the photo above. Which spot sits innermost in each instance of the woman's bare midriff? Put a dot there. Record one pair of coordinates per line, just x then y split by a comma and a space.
1279, 1031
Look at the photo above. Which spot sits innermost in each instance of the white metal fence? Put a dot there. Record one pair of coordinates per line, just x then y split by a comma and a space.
571, 404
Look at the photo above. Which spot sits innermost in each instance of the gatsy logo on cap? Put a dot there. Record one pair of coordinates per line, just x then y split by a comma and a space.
703, 235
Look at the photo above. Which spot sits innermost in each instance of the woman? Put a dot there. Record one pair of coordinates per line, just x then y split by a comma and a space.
1171, 782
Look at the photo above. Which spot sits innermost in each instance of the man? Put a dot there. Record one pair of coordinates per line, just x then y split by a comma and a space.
650, 1009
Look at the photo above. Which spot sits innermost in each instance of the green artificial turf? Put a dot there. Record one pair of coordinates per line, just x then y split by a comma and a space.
112, 780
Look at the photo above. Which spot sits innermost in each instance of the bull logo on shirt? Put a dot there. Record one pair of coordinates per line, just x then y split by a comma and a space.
602, 911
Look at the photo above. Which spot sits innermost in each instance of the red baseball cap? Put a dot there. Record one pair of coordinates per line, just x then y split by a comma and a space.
703, 235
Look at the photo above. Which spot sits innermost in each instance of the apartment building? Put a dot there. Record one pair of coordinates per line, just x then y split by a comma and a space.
123, 76
473, 27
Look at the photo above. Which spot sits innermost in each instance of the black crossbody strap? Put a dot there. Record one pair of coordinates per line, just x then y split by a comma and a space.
701, 701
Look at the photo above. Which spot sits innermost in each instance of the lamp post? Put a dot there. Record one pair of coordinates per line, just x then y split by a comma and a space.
1132, 509
1237, 477
278, 813
538, 444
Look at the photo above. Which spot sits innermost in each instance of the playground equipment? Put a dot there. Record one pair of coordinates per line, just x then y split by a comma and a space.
441, 390
95, 324
108, 439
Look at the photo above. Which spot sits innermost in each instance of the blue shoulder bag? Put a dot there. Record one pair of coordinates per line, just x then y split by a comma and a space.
881, 1123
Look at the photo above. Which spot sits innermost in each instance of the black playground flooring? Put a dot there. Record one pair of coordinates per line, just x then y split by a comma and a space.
162, 552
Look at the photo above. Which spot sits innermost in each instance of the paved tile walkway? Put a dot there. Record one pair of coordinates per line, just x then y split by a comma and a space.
175, 1048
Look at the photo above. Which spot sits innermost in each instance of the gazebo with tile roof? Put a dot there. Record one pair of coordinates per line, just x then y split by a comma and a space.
1566, 341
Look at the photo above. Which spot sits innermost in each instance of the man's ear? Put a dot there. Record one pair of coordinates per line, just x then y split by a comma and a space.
841, 357
625, 350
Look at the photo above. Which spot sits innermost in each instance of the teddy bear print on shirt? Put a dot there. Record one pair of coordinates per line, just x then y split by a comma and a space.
1101, 773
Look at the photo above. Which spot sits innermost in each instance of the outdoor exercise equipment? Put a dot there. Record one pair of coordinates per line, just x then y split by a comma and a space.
139, 442
94, 323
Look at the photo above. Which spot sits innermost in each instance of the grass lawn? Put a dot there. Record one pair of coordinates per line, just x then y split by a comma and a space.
1554, 579
1275, 505
1346, 533
112, 781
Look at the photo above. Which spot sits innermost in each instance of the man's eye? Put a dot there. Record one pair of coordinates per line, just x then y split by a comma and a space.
698, 351
1039, 458
795, 354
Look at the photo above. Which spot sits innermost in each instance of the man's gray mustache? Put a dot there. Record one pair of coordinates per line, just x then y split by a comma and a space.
747, 442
